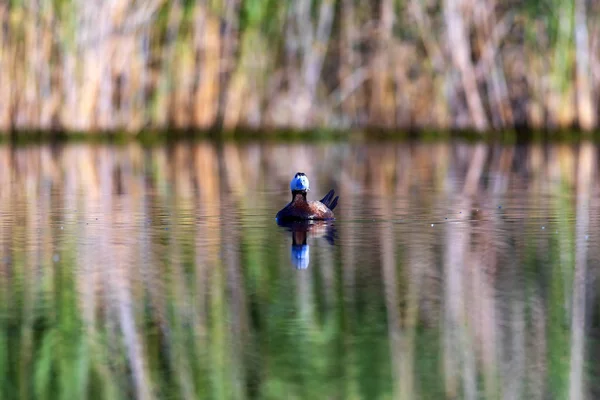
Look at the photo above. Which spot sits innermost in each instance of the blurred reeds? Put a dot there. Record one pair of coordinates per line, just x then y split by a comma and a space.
84, 65
158, 273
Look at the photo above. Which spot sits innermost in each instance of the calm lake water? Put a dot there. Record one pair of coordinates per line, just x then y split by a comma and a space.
453, 271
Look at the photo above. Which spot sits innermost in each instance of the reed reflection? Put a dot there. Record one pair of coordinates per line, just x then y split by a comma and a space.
159, 272
301, 231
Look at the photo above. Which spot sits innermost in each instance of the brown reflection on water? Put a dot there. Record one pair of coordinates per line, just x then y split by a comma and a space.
458, 271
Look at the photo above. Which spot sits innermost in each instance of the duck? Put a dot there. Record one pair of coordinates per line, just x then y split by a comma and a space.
300, 209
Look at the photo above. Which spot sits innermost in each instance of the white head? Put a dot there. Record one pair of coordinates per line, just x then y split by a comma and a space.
300, 182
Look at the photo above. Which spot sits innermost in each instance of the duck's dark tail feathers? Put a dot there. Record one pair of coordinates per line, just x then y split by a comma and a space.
334, 203
329, 201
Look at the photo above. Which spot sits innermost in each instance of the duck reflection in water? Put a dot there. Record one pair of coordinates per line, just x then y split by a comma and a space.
301, 231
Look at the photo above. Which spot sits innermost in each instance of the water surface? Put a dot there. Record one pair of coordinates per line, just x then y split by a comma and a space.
453, 270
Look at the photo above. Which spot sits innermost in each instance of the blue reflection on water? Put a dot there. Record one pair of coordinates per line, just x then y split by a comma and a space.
300, 231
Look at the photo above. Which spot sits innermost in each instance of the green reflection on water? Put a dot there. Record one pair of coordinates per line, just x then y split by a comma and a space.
161, 273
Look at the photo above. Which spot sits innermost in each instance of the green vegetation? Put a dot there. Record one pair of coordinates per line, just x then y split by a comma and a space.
128, 66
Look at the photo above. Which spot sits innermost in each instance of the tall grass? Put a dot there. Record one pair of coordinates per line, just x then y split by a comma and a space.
84, 65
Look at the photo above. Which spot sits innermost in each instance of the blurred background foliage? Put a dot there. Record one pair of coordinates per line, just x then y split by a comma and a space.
82, 65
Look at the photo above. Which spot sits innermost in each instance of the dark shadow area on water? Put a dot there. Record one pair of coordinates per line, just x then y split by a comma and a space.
153, 137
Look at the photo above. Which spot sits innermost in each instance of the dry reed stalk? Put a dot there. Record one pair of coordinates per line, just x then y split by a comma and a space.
561, 100
349, 61
381, 111
586, 112
126, 64
208, 43
5, 77
459, 47
182, 92
237, 93
164, 81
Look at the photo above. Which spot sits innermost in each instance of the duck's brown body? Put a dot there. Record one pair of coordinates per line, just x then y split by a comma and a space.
301, 209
